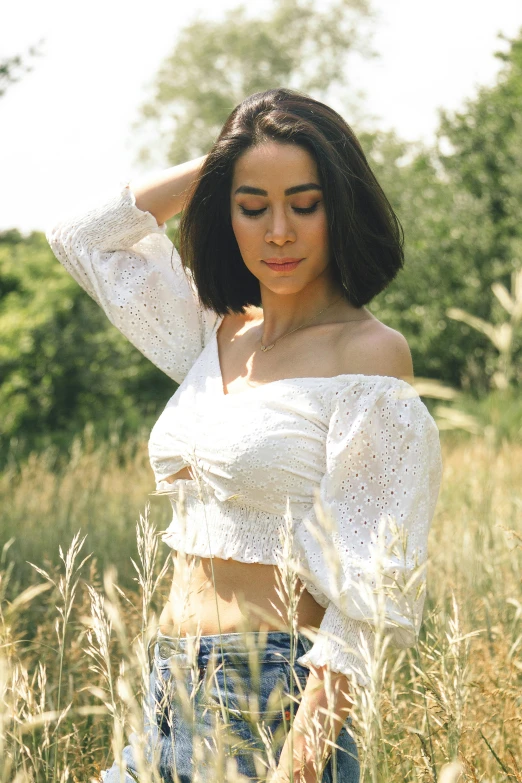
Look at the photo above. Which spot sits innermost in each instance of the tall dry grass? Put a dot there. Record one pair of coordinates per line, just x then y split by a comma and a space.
74, 631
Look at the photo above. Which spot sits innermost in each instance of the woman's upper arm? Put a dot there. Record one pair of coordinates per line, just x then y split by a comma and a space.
129, 266
379, 494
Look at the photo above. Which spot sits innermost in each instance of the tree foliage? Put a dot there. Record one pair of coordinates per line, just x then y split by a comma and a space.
13, 68
461, 214
215, 64
62, 364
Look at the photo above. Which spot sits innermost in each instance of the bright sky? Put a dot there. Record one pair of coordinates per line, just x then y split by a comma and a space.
66, 137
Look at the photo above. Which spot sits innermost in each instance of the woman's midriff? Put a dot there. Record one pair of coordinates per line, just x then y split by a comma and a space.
228, 596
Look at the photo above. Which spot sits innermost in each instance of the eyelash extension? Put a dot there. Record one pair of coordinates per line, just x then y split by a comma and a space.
299, 210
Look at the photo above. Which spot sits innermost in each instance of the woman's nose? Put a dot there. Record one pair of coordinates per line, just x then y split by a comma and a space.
280, 230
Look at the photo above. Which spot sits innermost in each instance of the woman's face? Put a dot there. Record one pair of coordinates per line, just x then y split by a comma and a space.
278, 215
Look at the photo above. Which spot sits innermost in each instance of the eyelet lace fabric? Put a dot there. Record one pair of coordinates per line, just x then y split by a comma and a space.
353, 462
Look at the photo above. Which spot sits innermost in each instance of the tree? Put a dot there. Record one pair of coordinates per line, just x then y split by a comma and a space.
216, 64
484, 165
13, 68
61, 361
461, 215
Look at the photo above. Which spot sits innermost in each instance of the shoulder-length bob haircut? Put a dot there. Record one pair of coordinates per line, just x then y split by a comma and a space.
365, 236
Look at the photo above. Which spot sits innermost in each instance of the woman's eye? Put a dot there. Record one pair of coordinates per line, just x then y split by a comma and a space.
306, 210
251, 212
299, 210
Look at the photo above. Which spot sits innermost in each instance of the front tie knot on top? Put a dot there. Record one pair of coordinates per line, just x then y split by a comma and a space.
354, 459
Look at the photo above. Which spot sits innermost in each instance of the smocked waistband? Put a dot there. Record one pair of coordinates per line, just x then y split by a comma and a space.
214, 528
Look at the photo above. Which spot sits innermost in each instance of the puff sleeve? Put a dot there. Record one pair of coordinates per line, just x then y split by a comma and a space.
121, 257
384, 466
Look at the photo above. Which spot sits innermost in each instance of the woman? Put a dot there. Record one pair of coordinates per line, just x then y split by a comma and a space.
294, 404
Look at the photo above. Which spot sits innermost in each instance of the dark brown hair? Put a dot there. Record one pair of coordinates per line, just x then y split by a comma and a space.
365, 236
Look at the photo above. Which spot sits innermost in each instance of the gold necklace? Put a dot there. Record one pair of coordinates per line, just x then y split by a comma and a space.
268, 347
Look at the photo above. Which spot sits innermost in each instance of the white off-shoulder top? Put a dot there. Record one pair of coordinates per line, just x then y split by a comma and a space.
336, 461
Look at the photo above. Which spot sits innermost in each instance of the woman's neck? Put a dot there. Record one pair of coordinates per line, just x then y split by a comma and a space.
283, 312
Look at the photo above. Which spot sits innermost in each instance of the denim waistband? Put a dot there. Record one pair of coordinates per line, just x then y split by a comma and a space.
271, 645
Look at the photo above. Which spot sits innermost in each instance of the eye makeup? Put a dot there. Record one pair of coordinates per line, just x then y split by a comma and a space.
298, 210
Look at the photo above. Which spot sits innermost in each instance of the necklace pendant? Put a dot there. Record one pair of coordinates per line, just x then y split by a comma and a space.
267, 347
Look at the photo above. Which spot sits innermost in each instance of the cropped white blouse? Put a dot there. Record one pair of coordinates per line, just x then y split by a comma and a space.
362, 448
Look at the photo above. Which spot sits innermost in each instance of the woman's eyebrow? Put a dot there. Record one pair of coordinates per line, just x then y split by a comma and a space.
289, 192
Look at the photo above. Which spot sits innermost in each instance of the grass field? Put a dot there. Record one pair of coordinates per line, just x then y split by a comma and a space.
72, 666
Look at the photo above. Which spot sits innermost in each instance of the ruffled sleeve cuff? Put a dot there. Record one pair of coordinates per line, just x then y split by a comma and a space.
116, 224
348, 652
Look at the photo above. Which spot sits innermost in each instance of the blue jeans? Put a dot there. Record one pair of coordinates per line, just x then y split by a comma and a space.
188, 707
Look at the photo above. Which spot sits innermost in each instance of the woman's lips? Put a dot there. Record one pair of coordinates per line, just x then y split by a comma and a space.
282, 264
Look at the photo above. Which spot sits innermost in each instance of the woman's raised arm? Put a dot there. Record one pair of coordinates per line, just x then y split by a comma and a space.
121, 256
163, 194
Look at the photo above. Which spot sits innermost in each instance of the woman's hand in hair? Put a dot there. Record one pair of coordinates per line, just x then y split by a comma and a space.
164, 194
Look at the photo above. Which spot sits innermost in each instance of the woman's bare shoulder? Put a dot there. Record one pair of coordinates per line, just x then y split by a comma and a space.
376, 349
232, 323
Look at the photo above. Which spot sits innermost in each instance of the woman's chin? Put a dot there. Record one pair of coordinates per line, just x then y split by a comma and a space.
283, 287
